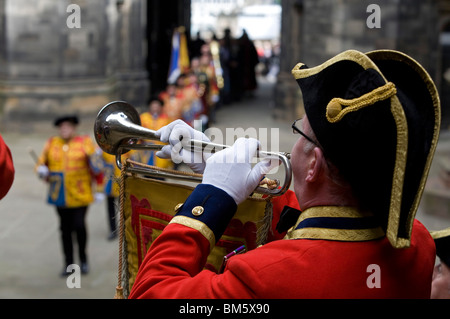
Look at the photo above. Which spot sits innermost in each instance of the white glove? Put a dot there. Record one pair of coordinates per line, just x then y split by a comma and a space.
231, 169
177, 134
99, 197
42, 171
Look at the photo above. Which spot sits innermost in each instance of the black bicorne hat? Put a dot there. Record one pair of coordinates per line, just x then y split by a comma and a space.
66, 118
377, 117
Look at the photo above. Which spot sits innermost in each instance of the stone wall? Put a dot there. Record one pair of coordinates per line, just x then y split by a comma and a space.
315, 30
48, 66
287, 96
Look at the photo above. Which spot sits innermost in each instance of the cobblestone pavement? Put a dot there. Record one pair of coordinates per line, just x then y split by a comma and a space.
30, 250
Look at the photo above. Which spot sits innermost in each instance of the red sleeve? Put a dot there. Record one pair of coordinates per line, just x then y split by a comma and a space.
172, 268
6, 168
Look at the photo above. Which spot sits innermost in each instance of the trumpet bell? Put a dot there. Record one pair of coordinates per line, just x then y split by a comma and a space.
114, 124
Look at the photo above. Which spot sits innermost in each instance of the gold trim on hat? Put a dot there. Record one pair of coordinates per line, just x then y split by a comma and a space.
440, 233
399, 56
350, 55
398, 176
335, 113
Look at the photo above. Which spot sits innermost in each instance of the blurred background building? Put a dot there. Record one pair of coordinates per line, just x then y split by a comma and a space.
313, 31
120, 51
260, 18
122, 48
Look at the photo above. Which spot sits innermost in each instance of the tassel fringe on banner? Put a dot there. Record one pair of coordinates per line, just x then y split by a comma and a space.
119, 289
266, 223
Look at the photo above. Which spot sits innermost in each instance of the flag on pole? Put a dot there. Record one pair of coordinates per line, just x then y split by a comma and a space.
179, 59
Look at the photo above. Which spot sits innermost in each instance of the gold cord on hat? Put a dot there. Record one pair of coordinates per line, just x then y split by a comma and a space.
335, 112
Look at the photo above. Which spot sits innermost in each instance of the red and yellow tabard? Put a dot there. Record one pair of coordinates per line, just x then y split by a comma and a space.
173, 105
150, 122
71, 167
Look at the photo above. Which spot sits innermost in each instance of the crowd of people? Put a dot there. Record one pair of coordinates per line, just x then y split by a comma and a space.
221, 71
194, 95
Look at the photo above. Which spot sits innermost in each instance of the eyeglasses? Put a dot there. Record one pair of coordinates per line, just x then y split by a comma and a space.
297, 128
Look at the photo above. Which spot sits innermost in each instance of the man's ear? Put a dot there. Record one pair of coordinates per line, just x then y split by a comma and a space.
315, 165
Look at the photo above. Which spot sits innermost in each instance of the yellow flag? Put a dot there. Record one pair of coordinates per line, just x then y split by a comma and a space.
148, 209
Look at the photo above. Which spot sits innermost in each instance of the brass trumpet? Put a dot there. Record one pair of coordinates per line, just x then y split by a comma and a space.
118, 129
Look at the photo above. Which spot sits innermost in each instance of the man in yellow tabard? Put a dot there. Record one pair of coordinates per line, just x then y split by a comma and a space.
70, 164
154, 119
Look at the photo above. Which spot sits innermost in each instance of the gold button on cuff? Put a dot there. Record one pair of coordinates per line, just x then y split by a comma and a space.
178, 207
197, 210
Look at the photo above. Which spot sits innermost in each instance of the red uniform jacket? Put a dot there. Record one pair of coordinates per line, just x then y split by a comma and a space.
360, 267
7, 170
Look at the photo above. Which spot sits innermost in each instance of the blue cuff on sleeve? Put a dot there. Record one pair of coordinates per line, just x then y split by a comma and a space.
218, 208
